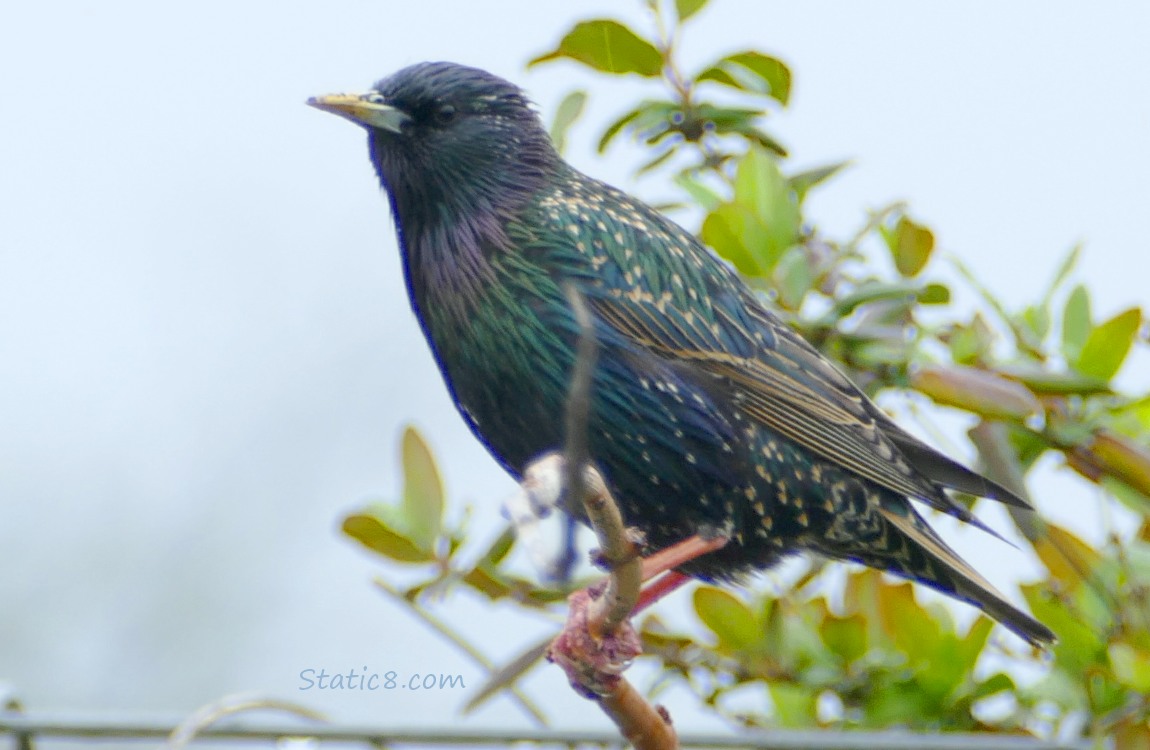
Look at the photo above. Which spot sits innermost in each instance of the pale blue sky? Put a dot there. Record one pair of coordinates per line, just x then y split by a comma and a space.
206, 352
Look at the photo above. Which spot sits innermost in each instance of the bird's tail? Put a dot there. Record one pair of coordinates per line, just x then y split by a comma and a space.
946, 571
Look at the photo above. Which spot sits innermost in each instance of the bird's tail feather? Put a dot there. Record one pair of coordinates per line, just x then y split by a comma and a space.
951, 574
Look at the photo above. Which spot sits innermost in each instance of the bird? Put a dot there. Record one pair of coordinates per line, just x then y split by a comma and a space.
708, 415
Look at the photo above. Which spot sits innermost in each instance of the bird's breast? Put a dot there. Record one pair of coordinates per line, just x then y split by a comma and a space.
501, 353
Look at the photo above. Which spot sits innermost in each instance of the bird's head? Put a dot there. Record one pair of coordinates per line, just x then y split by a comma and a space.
446, 138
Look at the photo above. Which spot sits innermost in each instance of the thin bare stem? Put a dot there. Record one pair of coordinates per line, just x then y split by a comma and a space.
578, 413
598, 642
445, 630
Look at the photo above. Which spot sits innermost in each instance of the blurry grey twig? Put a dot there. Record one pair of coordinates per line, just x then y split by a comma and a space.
229, 705
598, 642
997, 458
445, 630
578, 413
583, 482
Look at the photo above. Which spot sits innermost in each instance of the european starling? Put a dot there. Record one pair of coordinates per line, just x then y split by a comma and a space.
708, 414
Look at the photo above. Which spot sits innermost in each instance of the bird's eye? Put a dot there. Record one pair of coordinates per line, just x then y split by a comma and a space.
445, 114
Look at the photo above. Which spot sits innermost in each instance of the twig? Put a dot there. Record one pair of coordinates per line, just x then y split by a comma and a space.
205, 716
578, 412
463, 645
598, 642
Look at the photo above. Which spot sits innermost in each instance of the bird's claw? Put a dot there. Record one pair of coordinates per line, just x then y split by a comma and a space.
594, 665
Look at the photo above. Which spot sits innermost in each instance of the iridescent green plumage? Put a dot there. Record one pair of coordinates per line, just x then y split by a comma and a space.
708, 413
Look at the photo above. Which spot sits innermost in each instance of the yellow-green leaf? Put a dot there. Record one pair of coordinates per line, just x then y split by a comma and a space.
1107, 345
763, 191
1070, 560
376, 536
794, 277
727, 617
846, 636
910, 245
608, 46
1041, 380
751, 71
1123, 459
729, 230
566, 114
934, 294
1079, 646
1131, 666
485, 582
905, 621
804, 181
1075, 322
795, 705
422, 490
687, 8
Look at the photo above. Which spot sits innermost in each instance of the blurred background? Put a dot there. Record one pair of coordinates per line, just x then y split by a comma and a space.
206, 351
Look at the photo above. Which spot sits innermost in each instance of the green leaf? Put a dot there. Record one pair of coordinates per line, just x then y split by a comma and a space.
975, 640
498, 548
684, 9
1075, 322
565, 115
422, 491
934, 294
729, 230
762, 220
753, 72
727, 617
704, 196
1062, 273
1079, 648
867, 292
486, 582
793, 277
906, 622
846, 636
761, 188
795, 705
1070, 560
614, 128
1107, 345
997, 683
1042, 381
910, 245
901, 702
968, 343
802, 182
607, 46
1037, 319
372, 533
1122, 458
755, 136
659, 160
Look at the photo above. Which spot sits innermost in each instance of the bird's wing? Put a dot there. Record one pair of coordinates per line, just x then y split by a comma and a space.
782, 384
658, 287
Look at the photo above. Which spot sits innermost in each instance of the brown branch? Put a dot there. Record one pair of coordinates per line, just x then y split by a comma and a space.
598, 643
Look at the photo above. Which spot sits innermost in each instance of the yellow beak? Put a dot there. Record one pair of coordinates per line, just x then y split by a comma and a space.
362, 111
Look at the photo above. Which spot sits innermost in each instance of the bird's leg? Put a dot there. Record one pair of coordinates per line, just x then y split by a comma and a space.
665, 561
681, 553
659, 588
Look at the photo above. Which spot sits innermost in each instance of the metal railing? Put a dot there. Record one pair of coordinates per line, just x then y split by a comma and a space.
29, 730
